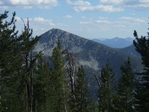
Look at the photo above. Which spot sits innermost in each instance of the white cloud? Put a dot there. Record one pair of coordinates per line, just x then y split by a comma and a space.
36, 20
95, 22
39, 19
38, 24
84, 6
103, 21
135, 4
18, 19
120, 2
132, 14
83, 17
67, 16
23, 20
28, 4
133, 19
140, 6
116, 2
107, 8
125, 23
44, 21
119, 26
144, 1
79, 3
4, 7
84, 22
103, 18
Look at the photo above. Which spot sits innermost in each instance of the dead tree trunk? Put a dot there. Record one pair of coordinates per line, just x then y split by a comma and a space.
71, 68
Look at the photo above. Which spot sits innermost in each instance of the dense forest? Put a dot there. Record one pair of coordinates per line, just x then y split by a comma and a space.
31, 83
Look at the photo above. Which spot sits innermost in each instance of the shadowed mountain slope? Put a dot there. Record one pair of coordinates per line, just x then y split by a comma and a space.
130, 50
91, 54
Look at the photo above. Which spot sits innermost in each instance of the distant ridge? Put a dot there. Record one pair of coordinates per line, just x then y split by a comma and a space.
116, 42
91, 54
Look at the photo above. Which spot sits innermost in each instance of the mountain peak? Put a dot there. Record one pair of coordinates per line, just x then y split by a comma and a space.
56, 29
52, 34
74, 43
89, 53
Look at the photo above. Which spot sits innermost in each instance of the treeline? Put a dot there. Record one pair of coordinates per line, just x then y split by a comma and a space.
31, 83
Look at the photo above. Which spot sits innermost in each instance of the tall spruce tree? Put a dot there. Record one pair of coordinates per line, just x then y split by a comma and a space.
81, 102
142, 46
40, 84
57, 96
125, 89
106, 90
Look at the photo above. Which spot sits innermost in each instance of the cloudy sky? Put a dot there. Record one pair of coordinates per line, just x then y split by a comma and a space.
86, 18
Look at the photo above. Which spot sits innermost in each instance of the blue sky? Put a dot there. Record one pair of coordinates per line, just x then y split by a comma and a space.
86, 18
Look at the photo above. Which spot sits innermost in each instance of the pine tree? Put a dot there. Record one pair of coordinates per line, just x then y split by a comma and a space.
57, 96
9, 63
28, 61
142, 46
82, 101
16, 66
40, 84
125, 89
106, 90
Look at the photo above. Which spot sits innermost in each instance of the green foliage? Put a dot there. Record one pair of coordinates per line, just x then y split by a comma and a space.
41, 77
125, 101
106, 90
9, 62
81, 101
16, 64
29, 84
142, 46
57, 96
